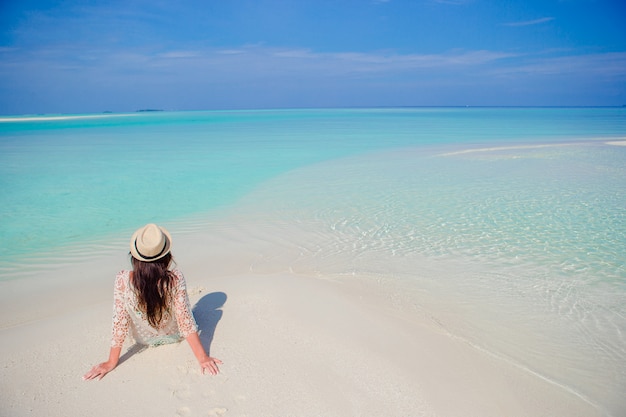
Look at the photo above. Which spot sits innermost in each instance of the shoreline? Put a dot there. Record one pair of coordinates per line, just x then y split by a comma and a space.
69, 247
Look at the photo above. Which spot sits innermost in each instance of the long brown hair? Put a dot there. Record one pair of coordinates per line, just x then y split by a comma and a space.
152, 282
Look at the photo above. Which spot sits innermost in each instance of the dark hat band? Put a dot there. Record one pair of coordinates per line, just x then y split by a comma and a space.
149, 258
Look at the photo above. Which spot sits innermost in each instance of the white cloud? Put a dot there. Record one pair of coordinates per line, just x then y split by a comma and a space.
179, 54
230, 51
257, 61
529, 22
224, 77
384, 62
453, 2
294, 53
607, 65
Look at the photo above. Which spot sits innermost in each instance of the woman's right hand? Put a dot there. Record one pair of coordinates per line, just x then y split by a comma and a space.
99, 371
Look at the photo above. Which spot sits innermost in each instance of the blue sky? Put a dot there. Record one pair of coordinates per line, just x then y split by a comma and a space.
122, 55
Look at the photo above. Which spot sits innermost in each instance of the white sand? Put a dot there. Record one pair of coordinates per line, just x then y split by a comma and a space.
292, 345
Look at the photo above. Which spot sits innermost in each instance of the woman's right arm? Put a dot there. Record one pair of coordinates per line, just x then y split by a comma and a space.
104, 368
120, 329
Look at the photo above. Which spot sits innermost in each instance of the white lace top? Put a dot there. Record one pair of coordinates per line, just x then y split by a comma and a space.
127, 316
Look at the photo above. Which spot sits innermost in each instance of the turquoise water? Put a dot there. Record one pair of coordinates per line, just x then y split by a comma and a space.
65, 181
506, 225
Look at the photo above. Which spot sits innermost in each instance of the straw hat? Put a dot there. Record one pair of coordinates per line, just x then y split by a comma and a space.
150, 243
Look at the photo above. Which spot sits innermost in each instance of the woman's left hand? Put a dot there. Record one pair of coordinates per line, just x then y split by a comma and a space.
210, 364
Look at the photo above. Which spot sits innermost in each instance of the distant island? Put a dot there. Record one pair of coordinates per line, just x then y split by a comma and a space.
144, 110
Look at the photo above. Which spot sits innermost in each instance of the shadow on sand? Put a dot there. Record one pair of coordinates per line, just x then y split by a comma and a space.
208, 313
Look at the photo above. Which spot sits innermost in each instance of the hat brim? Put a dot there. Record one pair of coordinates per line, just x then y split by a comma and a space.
138, 256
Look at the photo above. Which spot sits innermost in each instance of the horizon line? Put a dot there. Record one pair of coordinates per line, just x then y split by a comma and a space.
105, 113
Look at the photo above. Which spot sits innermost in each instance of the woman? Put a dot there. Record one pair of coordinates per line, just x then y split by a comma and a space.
152, 302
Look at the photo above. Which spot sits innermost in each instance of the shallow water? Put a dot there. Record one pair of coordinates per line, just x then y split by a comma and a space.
506, 227
68, 181
518, 251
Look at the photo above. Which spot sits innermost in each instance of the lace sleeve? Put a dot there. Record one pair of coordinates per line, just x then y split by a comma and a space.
184, 317
121, 320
